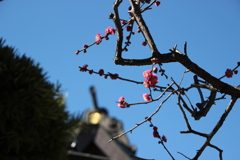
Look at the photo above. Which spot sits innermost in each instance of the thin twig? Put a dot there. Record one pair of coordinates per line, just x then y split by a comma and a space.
216, 128
220, 150
138, 124
183, 112
184, 155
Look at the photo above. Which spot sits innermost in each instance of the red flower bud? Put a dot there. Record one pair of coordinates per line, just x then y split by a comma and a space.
157, 3
155, 128
164, 138
129, 28
228, 73
144, 43
90, 72
85, 46
77, 52
101, 72
114, 76
156, 134
84, 68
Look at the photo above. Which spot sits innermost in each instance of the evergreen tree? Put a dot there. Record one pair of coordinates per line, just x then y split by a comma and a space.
34, 123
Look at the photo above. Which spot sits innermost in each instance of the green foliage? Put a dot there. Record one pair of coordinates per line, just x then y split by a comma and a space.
34, 124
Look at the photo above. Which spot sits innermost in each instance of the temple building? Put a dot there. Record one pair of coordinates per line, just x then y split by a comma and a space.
91, 141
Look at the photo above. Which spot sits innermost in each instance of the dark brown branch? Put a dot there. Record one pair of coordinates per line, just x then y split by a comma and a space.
146, 33
184, 114
216, 128
220, 150
204, 86
116, 20
195, 77
210, 102
185, 61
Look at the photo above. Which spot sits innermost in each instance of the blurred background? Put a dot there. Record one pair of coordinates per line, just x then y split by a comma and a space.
51, 31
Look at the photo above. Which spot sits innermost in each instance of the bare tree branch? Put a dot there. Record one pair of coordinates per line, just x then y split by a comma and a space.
216, 128
146, 33
138, 124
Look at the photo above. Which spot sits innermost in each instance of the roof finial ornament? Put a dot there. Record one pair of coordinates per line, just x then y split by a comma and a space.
93, 94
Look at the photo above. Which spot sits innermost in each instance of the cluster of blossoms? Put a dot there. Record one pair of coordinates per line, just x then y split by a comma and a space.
107, 32
122, 103
110, 30
150, 79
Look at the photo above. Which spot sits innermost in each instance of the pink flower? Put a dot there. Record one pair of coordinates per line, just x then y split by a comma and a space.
164, 138
110, 30
153, 80
146, 97
122, 103
146, 83
157, 3
98, 38
228, 73
121, 99
147, 74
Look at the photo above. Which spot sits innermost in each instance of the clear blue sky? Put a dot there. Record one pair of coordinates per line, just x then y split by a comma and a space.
51, 31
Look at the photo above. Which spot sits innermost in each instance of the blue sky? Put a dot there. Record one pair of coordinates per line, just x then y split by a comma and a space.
51, 31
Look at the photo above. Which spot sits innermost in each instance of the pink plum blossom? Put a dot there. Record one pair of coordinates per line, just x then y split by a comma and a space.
122, 103
146, 97
98, 38
110, 30
147, 74
151, 82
